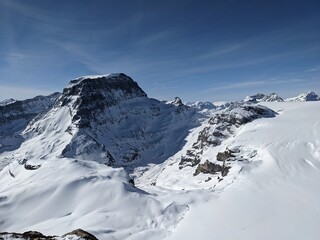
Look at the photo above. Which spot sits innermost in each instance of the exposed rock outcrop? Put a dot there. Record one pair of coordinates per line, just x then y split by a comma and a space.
15, 116
81, 233
304, 97
92, 95
34, 235
177, 102
272, 97
227, 154
212, 168
221, 126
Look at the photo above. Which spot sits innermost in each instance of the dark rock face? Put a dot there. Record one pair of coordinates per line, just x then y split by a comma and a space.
31, 167
222, 123
305, 97
272, 97
116, 123
94, 95
177, 102
312, 96
30, 235
15, 116
211, 168
221, 126
223, 156
26, 109
33, 235
191, 159
254, 98
80, 233
241, 115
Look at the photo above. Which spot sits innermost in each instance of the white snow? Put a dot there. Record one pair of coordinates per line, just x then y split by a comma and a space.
273, 195
280, 198
97, 76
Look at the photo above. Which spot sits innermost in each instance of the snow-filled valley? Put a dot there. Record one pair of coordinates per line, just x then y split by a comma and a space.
103, 157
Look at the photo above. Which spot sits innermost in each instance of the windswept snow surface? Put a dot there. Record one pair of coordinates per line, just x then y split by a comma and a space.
278, 199
66, 194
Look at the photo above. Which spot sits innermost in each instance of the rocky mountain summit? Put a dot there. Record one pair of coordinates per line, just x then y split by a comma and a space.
108, 119
7, 101
259, 97
304, 97
176, 102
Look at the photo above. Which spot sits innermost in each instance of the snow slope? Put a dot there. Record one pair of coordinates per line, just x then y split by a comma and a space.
66, 194
15, 117
237, 171
280, 198
58, 179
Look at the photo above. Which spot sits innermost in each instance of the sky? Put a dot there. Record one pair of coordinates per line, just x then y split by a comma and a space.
197, 50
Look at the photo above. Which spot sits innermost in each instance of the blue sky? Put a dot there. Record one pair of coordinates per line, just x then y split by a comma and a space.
197, 50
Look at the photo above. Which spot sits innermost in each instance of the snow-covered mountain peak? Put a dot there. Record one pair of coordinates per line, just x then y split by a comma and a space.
201, 105
87, 96
116, 82
109, 119
7, 101
107, 77
304, 97
260, 97
176, 102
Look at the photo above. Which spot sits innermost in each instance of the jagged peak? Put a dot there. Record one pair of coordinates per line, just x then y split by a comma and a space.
176, 102
201, 105
303, 97
7, 101
260, 97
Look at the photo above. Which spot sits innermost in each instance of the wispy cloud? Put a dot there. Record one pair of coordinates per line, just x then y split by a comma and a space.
235, 86
219, 51
156, 37
314, 69
248, 84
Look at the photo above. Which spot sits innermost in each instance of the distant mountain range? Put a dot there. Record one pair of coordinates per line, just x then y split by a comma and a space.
273, 97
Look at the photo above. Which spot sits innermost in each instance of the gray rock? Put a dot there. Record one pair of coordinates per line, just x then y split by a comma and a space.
211, 168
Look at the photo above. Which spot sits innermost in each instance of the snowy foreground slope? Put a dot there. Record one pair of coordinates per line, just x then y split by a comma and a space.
280, 198
237, 171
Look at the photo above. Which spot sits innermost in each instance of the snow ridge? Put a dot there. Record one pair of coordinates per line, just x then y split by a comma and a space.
304, 97
259, 97
7, 101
